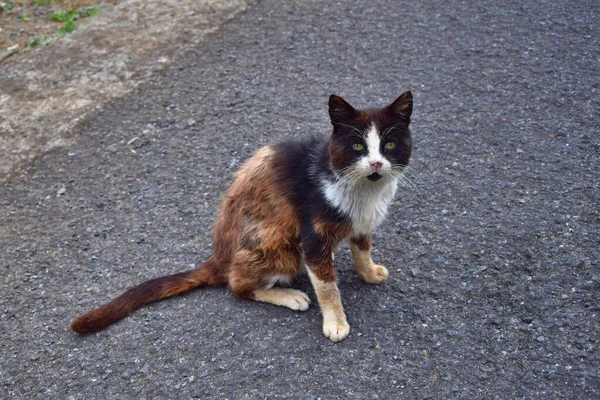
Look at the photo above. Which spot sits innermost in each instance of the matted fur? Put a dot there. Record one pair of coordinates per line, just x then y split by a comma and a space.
290, 204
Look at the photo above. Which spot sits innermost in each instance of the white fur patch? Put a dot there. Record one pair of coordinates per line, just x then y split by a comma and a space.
373, 142
278, 279
365, 202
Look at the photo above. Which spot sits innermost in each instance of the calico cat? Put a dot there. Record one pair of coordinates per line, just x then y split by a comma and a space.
289, 207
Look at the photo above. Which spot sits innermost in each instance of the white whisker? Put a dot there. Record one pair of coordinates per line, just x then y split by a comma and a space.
388, 130
406, 182
355, 131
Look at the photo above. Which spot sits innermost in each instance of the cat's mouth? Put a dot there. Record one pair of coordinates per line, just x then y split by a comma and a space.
374, 177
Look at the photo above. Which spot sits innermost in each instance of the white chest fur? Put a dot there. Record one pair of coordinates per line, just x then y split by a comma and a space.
365, 202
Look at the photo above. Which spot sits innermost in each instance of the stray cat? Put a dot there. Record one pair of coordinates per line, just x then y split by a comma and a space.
288, 208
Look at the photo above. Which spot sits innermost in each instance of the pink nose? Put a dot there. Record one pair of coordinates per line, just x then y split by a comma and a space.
376, 166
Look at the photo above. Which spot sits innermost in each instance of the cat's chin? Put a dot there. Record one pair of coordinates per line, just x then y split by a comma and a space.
374, 177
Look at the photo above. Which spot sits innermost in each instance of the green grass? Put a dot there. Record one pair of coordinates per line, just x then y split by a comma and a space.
8, 6
59, 16
44, 2
70, 16
38, 41
68, 27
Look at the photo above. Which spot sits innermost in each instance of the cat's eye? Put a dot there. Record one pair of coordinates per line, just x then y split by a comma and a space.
389, 145
358, 147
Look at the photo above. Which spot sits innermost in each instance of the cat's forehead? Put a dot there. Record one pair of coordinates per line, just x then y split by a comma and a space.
372, 120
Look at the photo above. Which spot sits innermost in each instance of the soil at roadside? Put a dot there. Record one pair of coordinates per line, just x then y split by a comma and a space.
46, 92
27, 24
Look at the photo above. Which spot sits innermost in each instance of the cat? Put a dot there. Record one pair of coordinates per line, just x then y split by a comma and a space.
289, 207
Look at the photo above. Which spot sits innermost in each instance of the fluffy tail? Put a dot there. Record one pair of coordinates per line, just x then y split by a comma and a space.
152, 290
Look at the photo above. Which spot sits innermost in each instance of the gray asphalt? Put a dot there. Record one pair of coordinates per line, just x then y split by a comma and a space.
494, 253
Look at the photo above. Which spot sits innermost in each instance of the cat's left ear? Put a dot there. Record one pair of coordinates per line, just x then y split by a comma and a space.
402, 106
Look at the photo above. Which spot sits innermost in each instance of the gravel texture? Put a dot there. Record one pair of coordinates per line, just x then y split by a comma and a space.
494, 253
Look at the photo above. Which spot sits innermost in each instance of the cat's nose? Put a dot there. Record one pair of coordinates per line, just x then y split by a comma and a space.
375, 166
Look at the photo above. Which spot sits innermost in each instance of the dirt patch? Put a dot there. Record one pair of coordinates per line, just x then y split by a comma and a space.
28, 24
47, 91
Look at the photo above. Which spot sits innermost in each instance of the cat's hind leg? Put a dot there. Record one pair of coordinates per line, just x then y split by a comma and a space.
290, 298
253, 275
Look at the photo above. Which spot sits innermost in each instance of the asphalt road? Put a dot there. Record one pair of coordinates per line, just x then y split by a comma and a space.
494, 255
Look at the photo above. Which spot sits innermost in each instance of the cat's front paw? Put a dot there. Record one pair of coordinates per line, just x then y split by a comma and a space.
376, 275
336, 330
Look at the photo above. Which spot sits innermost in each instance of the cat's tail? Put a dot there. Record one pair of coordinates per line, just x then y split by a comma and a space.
152, 290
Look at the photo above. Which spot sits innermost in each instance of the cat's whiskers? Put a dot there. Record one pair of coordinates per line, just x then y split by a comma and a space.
353, 177
357, 134
399, 173
388, 130
410, 185
408, 170
354, 129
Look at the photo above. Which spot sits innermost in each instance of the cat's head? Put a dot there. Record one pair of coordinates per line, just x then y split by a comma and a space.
370, 144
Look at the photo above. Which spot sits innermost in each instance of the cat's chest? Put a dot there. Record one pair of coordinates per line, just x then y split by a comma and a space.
365, 204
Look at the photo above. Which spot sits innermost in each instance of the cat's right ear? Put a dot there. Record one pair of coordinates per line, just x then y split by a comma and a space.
340, 110
402, 106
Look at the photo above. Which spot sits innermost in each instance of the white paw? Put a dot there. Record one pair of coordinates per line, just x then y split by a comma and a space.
296, 300
377, 275
336, 330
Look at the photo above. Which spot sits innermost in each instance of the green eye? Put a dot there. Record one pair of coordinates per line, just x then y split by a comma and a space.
358, 146
390, 145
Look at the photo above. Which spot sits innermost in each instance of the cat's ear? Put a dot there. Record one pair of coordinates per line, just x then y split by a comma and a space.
402, 106
340, 110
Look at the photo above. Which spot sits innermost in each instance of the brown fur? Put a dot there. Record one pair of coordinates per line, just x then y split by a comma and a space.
152, 290
332, 234
272, 216
256, 239
257, 234
361, 255
338, 155
363, 242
